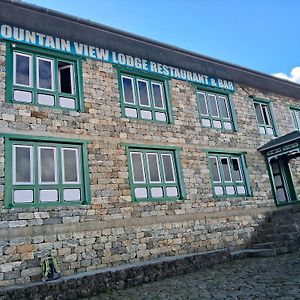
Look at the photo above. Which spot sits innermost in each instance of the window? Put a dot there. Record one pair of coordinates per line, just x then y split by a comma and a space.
228, 175
155, 174
40, 77
45, 173
215, 110
264, 117
295, 112
144, 97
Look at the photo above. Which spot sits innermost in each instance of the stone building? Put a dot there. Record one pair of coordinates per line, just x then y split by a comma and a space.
116, 148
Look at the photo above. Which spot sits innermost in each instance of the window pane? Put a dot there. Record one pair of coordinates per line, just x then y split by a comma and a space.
153, 167
137, 167
23, 165
215, 169
237, 176
128, 91
168, 167
266, 114
70, 165
143, 92
45, 74
297, 113
65, 77
22, 69
213, 104
157, 95
226, 170
258, 113
202, 104
223, 107
47, 165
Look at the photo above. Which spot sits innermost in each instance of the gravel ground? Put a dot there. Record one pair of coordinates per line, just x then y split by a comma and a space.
251, 278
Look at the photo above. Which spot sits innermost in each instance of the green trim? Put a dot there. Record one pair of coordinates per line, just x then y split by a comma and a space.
35, 142
153, 147
240, 156
216, 90
269, 104
236, 152
44, 138
35, 52
135, 75
179, 181
230, 107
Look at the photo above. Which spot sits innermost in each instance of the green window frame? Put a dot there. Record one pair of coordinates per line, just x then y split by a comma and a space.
295, 113
144, 96
265, 117
36, 76
42, 171
229, 174
155, 173
216, 110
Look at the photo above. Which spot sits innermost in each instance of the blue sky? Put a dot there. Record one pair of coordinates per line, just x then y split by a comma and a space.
259, 34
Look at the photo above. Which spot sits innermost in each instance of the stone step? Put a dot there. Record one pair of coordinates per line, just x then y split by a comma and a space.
253, 253
269, 245
279, 237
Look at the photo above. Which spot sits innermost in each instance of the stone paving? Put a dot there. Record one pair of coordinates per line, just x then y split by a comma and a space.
251, 278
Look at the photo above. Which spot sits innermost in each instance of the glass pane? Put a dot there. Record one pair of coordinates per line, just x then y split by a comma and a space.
237, 176
22, 69
266, 114
157, 95
215, 169
128, 91
275, 166
140, 193
230, 190
23, 196
156, 192
202, 104
23, 158
168, 168
281, 195
172, 191
65, 77
143, 92
130, 112
278, 180
47, 165
70, 165
48, 195
213, 105
258, 113
226, 170
45, 74
223, 107
297, 113
137, 167
153, 167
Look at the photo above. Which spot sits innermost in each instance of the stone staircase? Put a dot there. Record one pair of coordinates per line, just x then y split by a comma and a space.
279, 234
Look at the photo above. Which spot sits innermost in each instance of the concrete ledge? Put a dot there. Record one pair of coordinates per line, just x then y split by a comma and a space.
92, 283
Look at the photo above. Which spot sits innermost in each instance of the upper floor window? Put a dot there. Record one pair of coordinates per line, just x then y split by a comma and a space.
295, 112
265, 118
215, 110
144, 97
43, 78
228, 174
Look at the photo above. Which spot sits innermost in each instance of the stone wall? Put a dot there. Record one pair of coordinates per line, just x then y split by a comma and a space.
114, 230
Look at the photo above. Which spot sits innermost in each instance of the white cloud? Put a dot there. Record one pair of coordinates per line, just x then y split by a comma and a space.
293, 76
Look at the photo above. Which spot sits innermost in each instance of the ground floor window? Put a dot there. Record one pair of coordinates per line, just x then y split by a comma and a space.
45, 172
228, 174
155, 173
